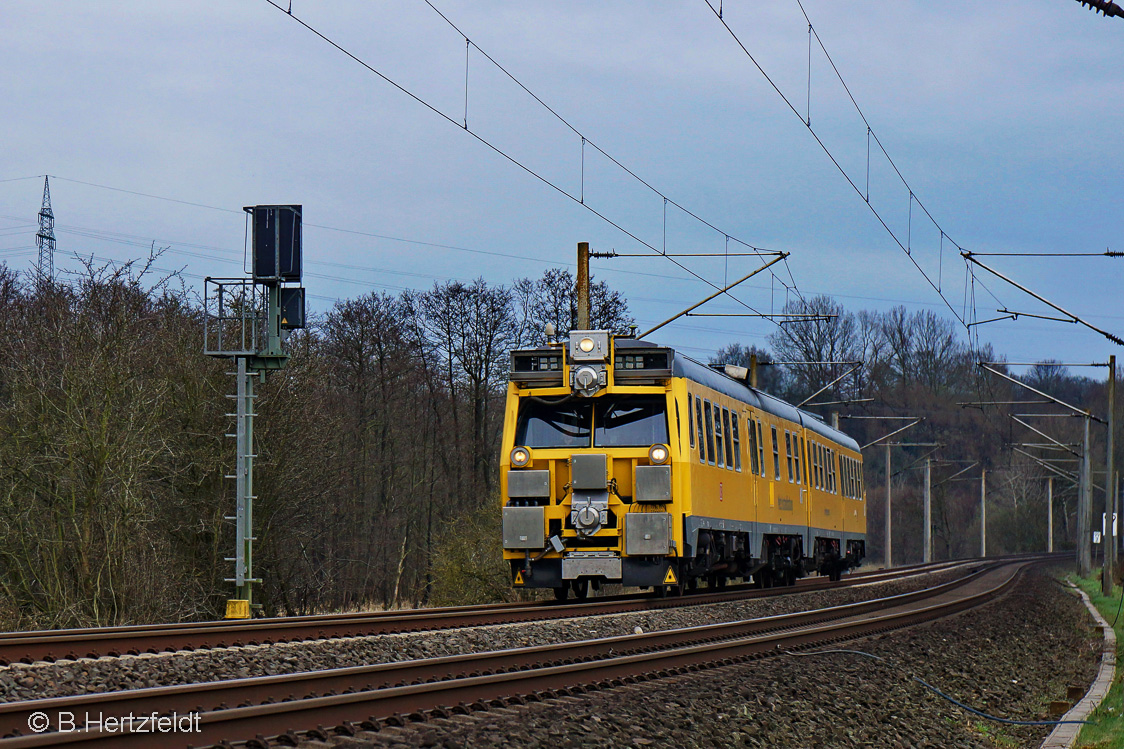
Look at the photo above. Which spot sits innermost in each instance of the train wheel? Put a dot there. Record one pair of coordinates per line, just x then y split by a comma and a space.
659, 591
721, 582
561, 592
581, 589
692, 584
790, 576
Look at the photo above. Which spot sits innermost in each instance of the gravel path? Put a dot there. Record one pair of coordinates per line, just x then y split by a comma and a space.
1008, 659
85, 675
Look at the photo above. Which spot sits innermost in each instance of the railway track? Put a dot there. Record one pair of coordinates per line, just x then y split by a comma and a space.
352, 699
51, 645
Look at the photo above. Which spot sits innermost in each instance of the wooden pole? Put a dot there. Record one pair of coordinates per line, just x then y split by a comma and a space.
583, 285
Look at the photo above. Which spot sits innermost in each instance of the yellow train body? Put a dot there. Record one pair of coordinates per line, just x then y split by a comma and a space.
629, 463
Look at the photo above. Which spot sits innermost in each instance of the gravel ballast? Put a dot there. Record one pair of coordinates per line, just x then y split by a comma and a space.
1009, 658
84, 676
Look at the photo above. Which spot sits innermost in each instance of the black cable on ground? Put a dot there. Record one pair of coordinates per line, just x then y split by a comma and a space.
938, 692
1120, 606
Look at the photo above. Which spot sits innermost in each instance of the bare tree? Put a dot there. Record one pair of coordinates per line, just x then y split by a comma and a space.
553, 299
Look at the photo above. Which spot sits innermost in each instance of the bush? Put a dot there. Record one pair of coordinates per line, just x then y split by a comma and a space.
468, 566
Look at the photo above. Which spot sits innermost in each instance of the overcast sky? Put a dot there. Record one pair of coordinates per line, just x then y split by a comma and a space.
1004, 120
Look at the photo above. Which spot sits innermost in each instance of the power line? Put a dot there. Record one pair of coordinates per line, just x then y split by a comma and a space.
585, 140
496, 149
905, 246
21, 223
357, 232
309, 274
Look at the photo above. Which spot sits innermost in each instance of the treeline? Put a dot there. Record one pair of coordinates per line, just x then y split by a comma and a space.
377, 447
919, 365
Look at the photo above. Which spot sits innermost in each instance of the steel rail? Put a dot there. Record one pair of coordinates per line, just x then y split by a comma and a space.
50, 645
489, 676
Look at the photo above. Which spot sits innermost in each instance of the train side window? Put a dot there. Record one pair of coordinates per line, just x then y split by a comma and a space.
699, 429
854, 484
709, 433
729, 438
720, 455
845, 465
796, 455
737, 443
801, 460
751, 427
819, 467
825, 479
831, 471
827, 470
788, 454
861, 487
815, 463
776, 455
691, 419
760, 448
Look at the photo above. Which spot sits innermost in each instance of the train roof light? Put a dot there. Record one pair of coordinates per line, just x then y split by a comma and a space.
589, 345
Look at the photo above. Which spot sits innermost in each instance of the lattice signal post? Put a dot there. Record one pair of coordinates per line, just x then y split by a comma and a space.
247, 320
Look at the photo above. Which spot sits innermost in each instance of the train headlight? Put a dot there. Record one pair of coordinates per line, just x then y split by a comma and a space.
520, 456
586, 345
658, 454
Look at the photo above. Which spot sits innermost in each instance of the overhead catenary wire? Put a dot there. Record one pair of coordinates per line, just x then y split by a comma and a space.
969, 256
834, 160
499, 151
585, 140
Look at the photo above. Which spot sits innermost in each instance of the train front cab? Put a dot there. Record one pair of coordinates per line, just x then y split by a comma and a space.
588, 465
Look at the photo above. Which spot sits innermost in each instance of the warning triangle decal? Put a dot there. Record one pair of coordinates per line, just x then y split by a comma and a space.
669, 578
518, 577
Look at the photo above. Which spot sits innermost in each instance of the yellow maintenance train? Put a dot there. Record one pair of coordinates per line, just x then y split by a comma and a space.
627, 462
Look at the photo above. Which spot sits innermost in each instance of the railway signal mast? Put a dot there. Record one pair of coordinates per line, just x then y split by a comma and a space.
248, 320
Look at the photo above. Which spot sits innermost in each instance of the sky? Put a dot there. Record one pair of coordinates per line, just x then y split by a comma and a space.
158, 121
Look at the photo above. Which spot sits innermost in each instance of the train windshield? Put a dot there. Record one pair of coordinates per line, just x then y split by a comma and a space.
545, 424
630, 422
618, 422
